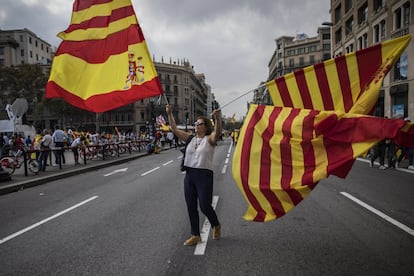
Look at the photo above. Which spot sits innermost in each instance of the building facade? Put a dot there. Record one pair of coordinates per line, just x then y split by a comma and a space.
295, 52
23, 47
357, 24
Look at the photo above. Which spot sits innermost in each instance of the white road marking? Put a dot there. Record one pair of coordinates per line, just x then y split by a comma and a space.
223, 171
380, 214
169, 162
116, 171
18, 233
205, 231
150, 171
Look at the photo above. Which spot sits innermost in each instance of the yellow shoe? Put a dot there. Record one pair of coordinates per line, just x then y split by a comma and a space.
217, 232
193, 240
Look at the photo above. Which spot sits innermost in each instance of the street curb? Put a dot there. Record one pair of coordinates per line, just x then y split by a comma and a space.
15, 187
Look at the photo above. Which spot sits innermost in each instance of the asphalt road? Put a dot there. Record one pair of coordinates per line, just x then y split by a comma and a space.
131, 219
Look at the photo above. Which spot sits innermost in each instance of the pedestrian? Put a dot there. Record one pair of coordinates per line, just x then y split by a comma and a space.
198, 181
170, 138
44, 149
379, 151
28, 141
391, 157
78, 142
59, 137
406, 151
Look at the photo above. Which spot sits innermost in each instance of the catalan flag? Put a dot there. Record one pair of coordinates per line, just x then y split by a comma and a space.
284, 152
103, 61
349, 83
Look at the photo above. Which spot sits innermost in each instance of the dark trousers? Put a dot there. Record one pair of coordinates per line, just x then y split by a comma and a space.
60, 154
44, 154
379, 151
404, 151
198, 184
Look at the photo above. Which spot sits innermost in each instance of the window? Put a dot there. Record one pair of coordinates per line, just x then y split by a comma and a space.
175, 90
36, 43
30, 39
1, 50
1, 61
363, 14
338, 13
397, 19
301, 61
290, 53
338, 36
406, 19
41, 46
348, 5
291, 62
302, 50
349, 24
350, 48
312, 48
326, 46
382, 29
326, 36
378, 5
31, 54
364, 41
376, 33
401, 67
21, 38
312, 59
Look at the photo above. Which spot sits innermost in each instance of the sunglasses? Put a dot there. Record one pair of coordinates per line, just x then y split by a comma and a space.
198, 124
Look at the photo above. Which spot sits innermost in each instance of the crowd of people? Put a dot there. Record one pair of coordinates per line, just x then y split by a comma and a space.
387, 150
54, 142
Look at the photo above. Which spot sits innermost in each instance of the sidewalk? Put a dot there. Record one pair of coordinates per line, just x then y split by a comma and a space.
19, 181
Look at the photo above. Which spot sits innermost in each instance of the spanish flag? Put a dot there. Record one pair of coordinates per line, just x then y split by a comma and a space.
349, 83
284, 152
103, 61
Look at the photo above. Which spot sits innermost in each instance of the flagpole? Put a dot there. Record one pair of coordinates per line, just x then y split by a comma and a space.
165, 97
248, 92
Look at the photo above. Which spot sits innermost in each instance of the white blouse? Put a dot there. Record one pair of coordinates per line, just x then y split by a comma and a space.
199, 154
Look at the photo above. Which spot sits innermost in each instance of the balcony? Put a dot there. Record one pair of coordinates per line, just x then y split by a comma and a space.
400, 32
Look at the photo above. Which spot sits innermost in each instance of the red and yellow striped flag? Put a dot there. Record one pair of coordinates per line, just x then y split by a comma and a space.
283, 152
349, 83
103, 61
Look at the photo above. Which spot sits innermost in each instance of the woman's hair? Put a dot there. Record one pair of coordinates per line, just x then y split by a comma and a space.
207, 124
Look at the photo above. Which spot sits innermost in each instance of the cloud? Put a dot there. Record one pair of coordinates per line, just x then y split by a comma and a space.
231, 41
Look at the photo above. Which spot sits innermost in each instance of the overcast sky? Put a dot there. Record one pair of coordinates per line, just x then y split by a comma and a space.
230, 41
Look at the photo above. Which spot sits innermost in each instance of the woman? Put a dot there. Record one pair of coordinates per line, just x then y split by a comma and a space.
198, 181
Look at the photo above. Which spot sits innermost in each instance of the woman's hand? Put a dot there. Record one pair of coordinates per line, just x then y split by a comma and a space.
168, 109
216, 113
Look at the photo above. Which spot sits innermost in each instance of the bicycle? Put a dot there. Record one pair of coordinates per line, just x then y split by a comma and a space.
11, 163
